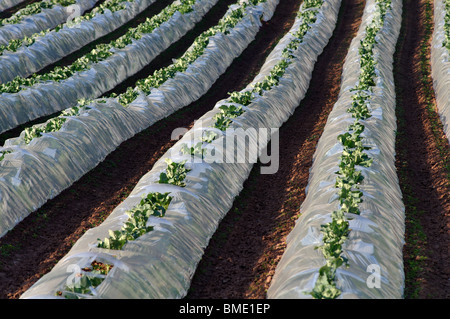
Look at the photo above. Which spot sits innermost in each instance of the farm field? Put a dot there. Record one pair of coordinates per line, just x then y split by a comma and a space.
119, 175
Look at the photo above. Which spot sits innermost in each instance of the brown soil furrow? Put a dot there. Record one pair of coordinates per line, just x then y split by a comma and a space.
422, 159
241, 257
38, 242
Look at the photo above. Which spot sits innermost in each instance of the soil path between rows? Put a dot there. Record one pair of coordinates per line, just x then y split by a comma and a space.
37, 243
242, 255
423, 159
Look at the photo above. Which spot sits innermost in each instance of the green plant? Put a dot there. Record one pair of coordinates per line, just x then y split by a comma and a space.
446, 42
154, 204
34, 8
175, 173
3, 153
209, 136
51, 125
90, 277
196, 150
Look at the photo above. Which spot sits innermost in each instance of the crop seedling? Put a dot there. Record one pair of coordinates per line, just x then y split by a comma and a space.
3, 153
209, 136
154, 204
51, 125
196, 150
446, 42
175, 173
86, 281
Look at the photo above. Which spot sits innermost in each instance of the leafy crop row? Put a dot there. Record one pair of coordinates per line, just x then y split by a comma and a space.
86, 281
446, 42
349, 177
227, 113
101, 51
201, 42
152, 204
153, 81
34, 8
111, 5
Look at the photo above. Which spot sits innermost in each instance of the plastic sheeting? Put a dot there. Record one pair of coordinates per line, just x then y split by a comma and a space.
34, 173
161, 263
440, 66
46, 19
374, 246
47, 98
56, 45
6, 4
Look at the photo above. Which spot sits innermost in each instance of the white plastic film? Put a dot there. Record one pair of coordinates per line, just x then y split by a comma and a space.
46, 19
6, 4
161, 263
440, 66
46, 98
375, 242
53, 46
53, 162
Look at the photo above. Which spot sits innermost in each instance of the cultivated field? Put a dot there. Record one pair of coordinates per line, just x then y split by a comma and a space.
217, 149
